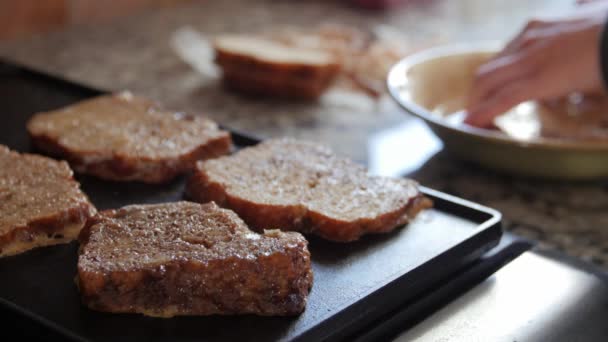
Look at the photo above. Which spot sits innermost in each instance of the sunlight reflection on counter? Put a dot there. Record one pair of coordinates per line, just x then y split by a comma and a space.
402, 149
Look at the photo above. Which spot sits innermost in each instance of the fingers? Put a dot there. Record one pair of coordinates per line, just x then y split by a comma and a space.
500, 81
494, 74
500, 102
500, 87
539, 84
512, 63
546, 60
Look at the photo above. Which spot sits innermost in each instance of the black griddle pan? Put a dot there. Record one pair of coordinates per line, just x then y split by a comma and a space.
354, 284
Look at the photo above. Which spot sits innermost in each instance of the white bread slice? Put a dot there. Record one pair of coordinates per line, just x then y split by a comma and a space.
269, 51
261, 66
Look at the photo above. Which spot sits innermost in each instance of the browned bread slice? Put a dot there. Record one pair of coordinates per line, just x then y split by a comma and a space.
190, 259
122, 137
297, 185
265, 67
40, 202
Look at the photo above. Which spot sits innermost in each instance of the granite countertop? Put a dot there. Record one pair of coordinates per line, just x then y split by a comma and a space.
138, 53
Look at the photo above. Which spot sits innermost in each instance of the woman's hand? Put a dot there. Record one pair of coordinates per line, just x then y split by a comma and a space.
548, 59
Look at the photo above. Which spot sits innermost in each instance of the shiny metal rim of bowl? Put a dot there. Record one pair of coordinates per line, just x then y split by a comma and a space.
397, 80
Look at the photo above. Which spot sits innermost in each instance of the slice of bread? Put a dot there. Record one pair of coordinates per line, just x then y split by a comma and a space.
296, 185
262, 66
126, 138
40, 202
190, 259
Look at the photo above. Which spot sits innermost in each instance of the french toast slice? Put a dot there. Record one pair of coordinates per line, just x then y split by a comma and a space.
185, 258
122, 137
40, 202
302, 186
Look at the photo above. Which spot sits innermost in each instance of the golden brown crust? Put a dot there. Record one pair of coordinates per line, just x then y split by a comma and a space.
190, 259
124, 138
40, 202
125, 168
303, 214
300, 72
256, 83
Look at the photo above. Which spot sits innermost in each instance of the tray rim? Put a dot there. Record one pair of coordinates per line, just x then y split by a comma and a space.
492, 225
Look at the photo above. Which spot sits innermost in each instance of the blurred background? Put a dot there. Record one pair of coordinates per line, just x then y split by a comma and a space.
25, 17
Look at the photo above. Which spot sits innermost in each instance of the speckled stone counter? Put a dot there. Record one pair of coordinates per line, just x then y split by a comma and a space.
137, 53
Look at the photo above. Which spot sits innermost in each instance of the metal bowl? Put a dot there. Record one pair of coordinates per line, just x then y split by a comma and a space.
441, 78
